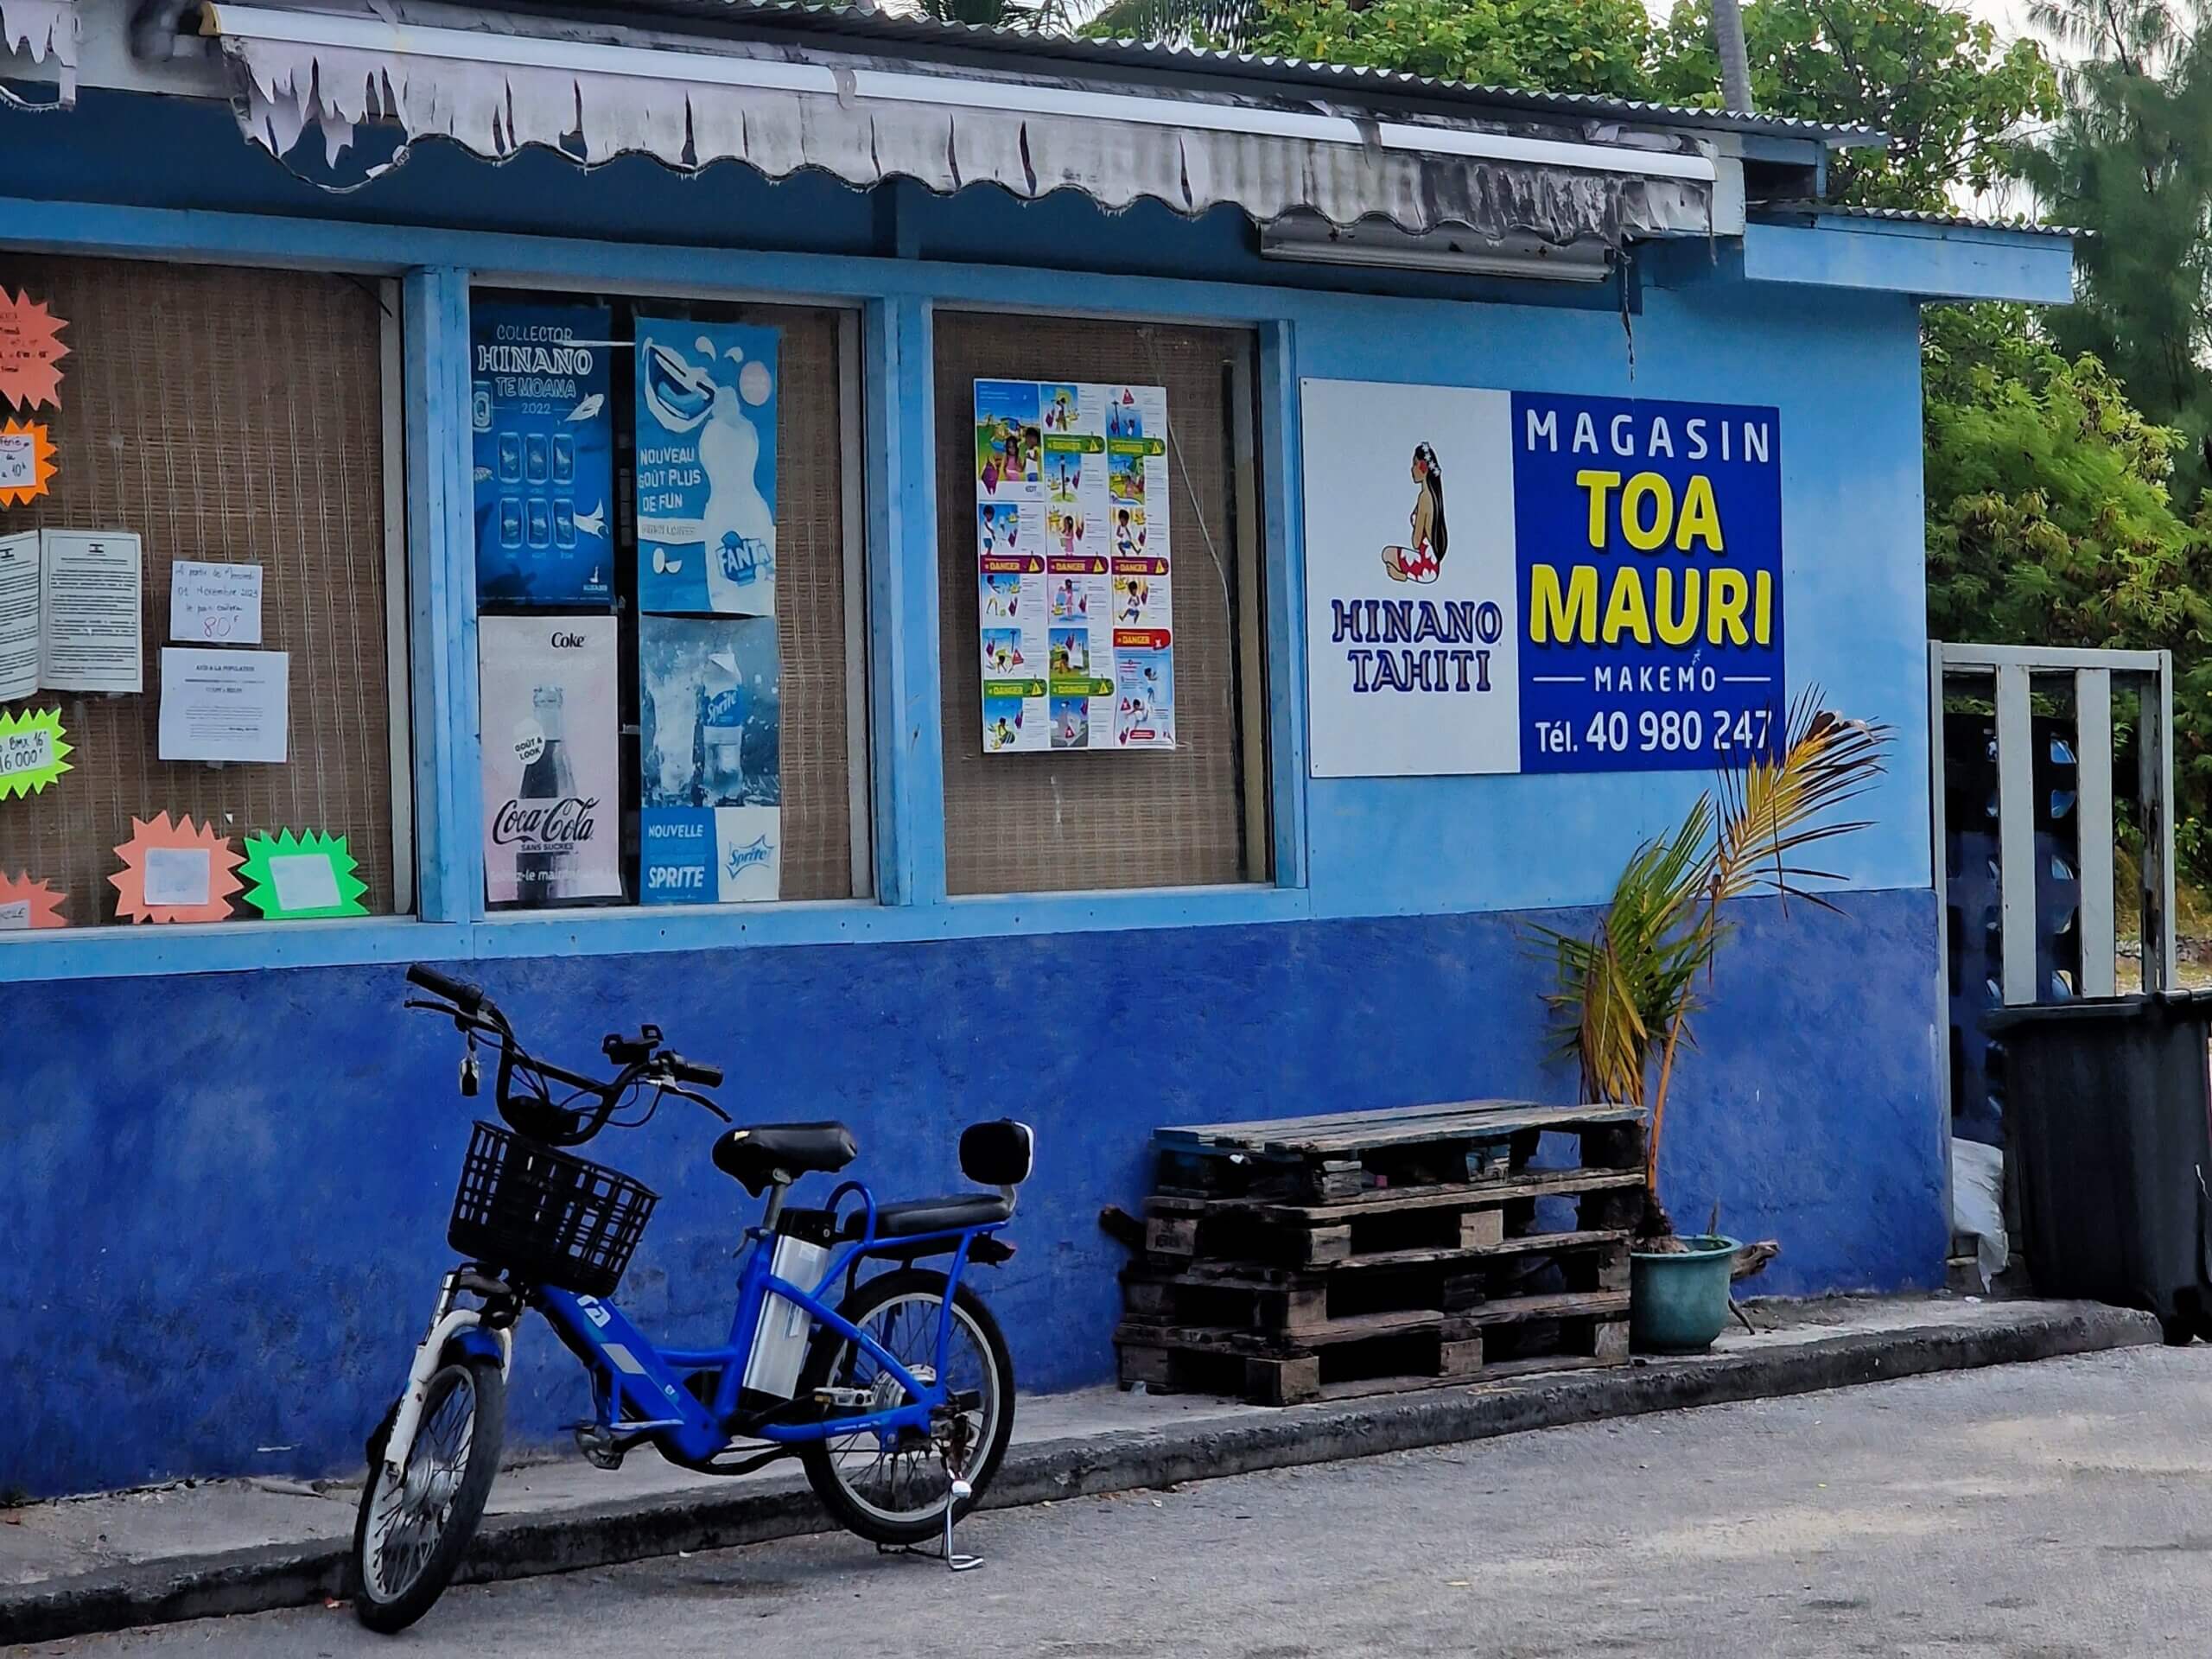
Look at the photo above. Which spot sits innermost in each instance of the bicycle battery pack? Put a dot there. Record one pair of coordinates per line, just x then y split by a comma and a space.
779, 1337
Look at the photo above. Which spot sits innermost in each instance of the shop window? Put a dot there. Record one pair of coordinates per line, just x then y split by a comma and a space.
199, 600
1084, 464
669, 686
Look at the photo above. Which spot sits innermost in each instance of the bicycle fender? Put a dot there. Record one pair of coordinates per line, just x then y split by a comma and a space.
477, 1343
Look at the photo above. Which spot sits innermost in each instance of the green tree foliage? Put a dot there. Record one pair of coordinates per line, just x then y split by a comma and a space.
1560, 46
2050, 521
2131, 159
1949, 94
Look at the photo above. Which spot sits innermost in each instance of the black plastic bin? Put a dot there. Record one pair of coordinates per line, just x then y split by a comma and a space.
2108, 1135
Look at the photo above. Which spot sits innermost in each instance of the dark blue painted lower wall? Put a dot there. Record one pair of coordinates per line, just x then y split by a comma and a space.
223, 1197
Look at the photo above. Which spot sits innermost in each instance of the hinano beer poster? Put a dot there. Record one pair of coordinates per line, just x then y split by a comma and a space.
545, 453
1502, 582
1074, 560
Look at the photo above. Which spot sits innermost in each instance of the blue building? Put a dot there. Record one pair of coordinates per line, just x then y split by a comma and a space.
917, 561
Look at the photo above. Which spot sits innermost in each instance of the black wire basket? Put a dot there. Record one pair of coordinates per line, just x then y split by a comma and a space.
547, 1216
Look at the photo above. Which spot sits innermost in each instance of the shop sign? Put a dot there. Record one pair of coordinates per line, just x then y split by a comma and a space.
710, 710
545, 453
1518, 581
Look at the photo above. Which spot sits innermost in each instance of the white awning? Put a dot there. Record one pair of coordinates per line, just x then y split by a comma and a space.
41, 29
597, 91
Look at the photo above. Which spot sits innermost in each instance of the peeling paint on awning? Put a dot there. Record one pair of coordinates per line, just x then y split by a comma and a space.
595, 92
42, 29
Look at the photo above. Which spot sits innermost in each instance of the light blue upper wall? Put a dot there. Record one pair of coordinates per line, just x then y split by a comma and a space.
1840, 362
1844, 369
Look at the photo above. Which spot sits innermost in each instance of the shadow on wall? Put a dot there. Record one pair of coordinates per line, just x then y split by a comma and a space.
226, 1195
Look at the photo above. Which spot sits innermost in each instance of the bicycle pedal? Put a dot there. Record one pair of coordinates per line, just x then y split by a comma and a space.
597, 1445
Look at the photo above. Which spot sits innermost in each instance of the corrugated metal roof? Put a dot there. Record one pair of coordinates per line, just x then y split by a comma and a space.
1155, 59
1915, 216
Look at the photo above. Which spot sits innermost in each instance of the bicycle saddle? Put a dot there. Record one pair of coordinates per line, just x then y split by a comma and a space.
779, 1153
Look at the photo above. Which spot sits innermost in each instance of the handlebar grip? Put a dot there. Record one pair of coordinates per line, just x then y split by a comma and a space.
683, 1070
459, 992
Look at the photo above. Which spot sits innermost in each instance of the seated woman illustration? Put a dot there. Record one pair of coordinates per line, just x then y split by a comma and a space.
1421, 560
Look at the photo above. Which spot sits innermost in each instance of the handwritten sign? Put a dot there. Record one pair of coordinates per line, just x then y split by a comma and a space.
32, 751
214, 604
26, 462
25, 903
30, 350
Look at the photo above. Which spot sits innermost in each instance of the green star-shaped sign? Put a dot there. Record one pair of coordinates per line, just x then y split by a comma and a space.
293, 876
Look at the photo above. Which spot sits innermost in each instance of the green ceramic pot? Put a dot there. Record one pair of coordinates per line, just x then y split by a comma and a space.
1678, 1301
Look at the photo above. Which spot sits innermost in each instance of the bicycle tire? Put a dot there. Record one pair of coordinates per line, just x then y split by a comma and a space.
389, 1614
816, 1457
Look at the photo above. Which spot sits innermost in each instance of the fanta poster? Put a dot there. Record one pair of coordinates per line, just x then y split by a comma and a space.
545, 458
710, 715
1074, 559
1517, 581
551, 756
707, 400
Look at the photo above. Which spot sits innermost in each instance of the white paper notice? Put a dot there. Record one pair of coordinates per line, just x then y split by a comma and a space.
14, 916
223, 705
91, 611
215, 604
19, 663
304, 881
176, 875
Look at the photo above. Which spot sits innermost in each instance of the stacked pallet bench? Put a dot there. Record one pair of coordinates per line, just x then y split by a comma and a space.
1356, 1253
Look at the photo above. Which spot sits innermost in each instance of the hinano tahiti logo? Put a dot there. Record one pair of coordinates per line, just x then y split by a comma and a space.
1423, 559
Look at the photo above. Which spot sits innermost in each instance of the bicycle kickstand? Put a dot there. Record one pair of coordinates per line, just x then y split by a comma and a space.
953, 1560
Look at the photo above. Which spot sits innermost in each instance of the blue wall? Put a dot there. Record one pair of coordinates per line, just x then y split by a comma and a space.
225, 1191
225, 1195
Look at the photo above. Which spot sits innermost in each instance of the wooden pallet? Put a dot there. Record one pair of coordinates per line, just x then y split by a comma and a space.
1299, 1302
1385, 1222
1337, 1155
1378, 1353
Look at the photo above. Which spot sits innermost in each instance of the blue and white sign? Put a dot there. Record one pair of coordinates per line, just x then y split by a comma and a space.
1508, 581
710, 712
710, 855
545, 454
706, 401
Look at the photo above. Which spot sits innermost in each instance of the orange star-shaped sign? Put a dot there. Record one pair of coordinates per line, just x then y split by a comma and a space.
30, 353
174, 873
28, 903
26, 461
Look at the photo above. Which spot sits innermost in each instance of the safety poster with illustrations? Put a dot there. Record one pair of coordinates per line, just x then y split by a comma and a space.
1073, 563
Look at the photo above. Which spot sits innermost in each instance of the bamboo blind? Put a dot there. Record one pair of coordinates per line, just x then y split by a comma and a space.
237, 417
1067, 821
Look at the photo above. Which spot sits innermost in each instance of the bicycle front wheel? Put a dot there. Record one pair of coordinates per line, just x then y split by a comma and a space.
894, 1488
414, 1527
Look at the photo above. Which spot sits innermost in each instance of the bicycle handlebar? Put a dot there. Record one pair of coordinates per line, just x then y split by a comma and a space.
533, 1113
459, 992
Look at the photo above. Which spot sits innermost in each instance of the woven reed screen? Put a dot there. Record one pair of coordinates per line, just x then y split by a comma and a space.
811, 601
1046, 822
232, 416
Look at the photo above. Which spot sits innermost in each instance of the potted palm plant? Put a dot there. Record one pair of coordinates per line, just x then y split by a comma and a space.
1627, 990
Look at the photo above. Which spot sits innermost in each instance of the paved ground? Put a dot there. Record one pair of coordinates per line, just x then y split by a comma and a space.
2056, 1509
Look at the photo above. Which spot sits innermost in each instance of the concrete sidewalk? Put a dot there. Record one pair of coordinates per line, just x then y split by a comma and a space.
226, 1546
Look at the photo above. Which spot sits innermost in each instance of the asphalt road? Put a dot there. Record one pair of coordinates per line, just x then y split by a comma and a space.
2032, 1512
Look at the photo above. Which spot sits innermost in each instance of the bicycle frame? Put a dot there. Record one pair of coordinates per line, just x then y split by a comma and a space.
638, 1387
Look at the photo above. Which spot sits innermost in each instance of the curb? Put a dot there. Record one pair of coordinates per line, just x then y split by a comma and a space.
523, 1546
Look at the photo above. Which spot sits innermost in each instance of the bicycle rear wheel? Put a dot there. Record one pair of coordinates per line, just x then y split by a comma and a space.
894, 1489
413, 1529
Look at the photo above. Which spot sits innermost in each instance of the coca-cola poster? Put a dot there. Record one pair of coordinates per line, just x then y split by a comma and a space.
551, 760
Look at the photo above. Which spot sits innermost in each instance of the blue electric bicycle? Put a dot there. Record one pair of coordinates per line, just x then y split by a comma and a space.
899, 1401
